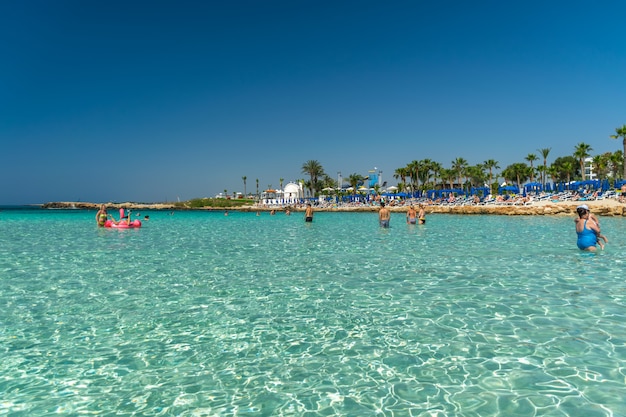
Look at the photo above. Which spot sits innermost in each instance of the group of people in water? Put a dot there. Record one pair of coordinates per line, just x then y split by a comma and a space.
102, 216
587, 224
384, 215
412, 215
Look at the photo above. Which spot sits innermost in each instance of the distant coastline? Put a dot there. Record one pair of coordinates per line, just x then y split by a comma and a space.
606, 207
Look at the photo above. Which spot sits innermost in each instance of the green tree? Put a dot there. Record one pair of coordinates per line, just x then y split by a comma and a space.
447, 177
620, 132
531, 157
518, 172
476, 175
424, 173
328, 182
426, 168
257, 188
617, 163
401, 173
553, 172
436, 167
544, 153
413, 168
314, 170
491, 164
561, 169
581, 152
459, 165
244, 178
354, 180
601, 164
541, 170
570, 168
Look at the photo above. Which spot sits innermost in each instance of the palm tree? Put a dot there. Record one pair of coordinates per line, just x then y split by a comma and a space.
413, 167
531, 157
401, 173
436, 167
620, 132
568, 167
518, 171
476, 175
581, 152
257, 188
354, 180
561, 172
542, 173
617, 163
244, 178
280, 180
600, 164
425, 169
491, 164
424, 176
544, 153
447, 176
459, 165
314, 170
328, 182
553, 171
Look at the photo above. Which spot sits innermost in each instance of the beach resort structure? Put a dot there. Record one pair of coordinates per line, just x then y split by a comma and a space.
292, 194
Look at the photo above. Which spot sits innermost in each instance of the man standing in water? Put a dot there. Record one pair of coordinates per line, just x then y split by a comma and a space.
308, 214
383, 216
411, 215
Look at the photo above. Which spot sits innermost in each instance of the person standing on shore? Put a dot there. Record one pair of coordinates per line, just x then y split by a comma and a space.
383, 216
308, 213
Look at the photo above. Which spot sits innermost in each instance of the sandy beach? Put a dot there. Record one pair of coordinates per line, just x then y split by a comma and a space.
605, 207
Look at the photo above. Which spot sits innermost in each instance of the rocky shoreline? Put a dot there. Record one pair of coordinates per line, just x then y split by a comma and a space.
608, 207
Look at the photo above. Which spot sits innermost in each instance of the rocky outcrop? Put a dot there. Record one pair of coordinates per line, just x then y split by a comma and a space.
96, 206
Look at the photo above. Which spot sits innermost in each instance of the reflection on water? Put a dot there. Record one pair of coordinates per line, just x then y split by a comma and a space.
205, 314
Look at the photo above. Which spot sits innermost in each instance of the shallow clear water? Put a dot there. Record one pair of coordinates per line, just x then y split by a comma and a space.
201, 314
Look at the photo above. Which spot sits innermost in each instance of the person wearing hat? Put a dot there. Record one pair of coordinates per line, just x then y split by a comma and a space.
588, 231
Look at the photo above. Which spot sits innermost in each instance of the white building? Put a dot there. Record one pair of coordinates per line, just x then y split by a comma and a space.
292, 194
589, 174
293, 191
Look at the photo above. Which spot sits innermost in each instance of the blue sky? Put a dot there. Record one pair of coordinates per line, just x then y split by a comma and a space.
152, 101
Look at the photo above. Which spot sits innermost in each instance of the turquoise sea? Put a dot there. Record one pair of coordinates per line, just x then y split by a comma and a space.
202, 314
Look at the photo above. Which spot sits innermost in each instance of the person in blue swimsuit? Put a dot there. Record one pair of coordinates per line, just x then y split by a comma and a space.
587, 230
